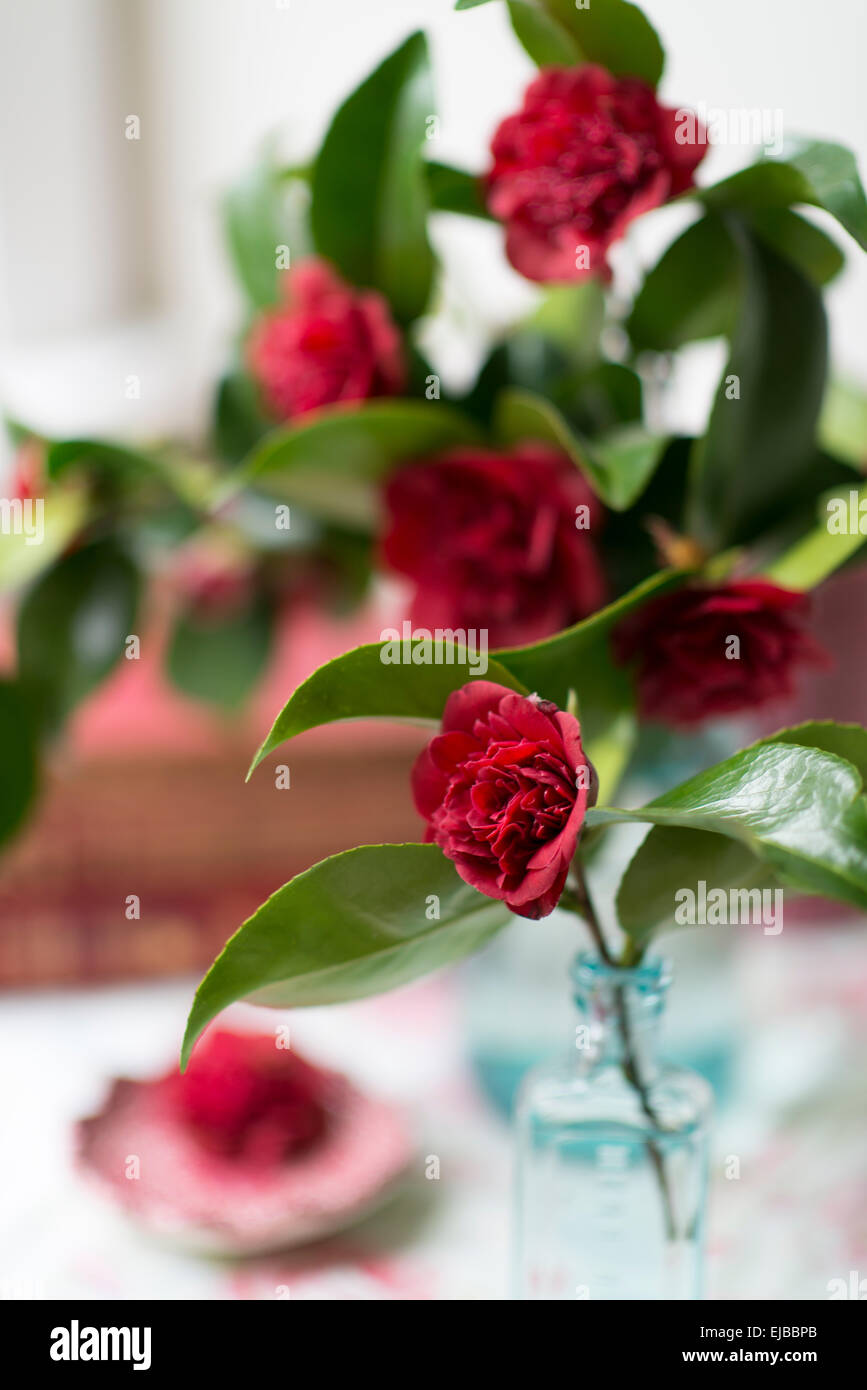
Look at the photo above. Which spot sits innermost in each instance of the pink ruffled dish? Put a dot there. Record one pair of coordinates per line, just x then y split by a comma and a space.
254, 1150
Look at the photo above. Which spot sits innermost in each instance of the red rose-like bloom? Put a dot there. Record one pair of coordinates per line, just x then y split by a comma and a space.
491, 541
679, 644
245, 1099
505, 788
586, 154
328, 342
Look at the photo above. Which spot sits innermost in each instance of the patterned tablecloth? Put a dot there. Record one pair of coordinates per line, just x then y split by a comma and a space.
794, 1220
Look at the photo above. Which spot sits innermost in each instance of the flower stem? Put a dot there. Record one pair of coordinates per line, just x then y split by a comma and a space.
577, 899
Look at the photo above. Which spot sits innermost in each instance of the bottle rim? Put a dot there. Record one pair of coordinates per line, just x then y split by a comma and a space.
590, 971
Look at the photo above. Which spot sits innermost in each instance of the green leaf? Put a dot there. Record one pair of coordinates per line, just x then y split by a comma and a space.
18, 757
334, 465
454, 190
672, 858
126, 465
548, 43
219, 661
760, 445
848, 741
579, 658
618, 467
800, 810
808, 171
253, 228
692, 292
353, 925
689, 294
613, 33
799, 241
370, 198
21, 559
73, 624
360, 685
822, 551
843, 423
572, 317
239, 421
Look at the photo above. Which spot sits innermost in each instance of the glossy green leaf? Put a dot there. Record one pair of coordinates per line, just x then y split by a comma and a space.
360, 685
370, 192
617, 466
334, 465
799, 810
825, 549
673, 857
356, 924
73, 625
848, 741
454, 190
809, 171
580, 659
220, 661
760, 445
18, 758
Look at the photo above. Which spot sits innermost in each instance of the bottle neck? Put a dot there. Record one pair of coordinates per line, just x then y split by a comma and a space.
620, 1012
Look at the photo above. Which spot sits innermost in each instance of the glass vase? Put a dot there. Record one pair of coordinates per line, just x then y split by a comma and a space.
612, 1148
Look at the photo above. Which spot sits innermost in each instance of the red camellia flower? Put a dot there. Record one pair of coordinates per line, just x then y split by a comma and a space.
252, 1149
586, 154
505, 788
493, 541
687, 667
328, 342
245, 1099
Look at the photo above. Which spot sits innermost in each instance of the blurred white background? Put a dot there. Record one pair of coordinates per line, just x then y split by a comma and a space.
111, 259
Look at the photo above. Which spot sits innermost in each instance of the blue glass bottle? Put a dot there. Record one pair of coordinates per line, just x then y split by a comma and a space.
612, 1153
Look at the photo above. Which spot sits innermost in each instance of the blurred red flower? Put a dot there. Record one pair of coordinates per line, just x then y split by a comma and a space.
28, 471
505, 788
245, 1099
586, 154
253, 1148
689, 669
492, 541
327, 342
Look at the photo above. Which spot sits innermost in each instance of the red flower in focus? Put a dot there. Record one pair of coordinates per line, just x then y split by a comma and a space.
586, 154
505, 788
245, 1099
491, 541
687, 667
326, 343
